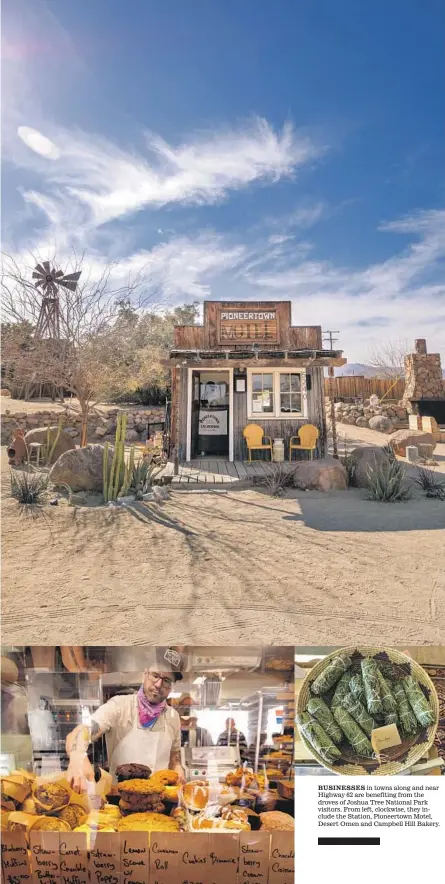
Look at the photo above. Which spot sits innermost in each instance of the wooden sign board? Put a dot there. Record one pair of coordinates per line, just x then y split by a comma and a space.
15, 862
244, 326
254, 857
135, 857
165, 853
193, 858
282, 858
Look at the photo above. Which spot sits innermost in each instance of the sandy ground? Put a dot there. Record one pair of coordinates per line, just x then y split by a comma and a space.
237, 566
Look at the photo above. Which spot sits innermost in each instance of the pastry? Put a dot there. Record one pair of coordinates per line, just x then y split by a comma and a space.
195, 796
165, 778
74, 815
96, 820
151, 803
50, 797
140, 787
50, 824
276, 820
91, 833
132, 772
111, 811
148, 822
171, 793
4, 820
15, 787
201, 822
29, 806
21, 821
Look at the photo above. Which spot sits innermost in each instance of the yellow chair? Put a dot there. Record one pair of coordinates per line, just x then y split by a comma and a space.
254, 436
307, 440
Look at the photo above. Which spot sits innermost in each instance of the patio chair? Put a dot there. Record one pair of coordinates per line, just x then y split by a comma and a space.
254, 436
307, 440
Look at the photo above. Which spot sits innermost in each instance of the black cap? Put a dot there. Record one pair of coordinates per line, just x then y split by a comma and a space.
170, 660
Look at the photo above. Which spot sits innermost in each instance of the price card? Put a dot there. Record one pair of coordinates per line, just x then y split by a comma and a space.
105, 859
73, 858
16, 868
135, 857
222, 858
165, 853
282, 858
384, 737
193, 859
254, 848
45, 857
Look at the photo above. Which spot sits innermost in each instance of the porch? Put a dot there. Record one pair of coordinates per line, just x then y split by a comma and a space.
215, 471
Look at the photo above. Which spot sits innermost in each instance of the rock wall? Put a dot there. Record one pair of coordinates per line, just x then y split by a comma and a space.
102, 423
385, 417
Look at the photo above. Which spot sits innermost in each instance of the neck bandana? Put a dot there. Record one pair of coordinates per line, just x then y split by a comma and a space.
148, 712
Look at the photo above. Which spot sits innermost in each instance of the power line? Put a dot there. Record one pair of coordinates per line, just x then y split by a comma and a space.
329, 336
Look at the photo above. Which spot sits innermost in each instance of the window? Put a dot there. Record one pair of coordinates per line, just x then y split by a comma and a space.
276, 394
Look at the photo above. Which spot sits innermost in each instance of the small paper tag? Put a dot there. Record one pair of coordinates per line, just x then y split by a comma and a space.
384, 737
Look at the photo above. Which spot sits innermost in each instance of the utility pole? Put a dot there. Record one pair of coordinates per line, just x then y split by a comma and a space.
329, 336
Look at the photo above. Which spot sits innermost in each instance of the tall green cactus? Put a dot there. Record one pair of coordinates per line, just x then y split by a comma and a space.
105, 473
117, 471
128, 473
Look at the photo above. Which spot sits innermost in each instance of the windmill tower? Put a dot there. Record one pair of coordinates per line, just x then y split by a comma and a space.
48, 282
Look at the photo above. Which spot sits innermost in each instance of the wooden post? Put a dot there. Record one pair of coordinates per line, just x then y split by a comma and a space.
175, 419
331, 399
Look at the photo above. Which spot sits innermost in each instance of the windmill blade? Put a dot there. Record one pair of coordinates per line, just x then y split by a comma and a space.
40, 269
58, 274
67, 284
72, 276
39, 283
40, 276
46, 266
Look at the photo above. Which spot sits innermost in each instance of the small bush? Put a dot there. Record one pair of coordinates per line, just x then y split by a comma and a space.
28, 488
390, 453
387, 482
144, 472
277, 478
429, 484
348, 462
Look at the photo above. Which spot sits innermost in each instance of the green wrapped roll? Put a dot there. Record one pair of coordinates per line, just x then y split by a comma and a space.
357, 688
408, 720
391, 718
372, 686
321, 712
341, 690
359, 713
353, 733
388, 700
318, 738
418, 702
334, 670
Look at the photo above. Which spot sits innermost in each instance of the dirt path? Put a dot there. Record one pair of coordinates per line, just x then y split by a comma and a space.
233, 567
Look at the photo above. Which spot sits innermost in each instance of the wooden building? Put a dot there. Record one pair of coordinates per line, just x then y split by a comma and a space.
247, 363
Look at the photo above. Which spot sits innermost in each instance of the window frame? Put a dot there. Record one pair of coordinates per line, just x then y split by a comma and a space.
277, 414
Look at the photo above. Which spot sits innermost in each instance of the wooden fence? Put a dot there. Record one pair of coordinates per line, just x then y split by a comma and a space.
356, 386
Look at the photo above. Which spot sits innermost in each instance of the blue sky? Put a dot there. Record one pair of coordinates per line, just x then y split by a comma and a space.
253, 149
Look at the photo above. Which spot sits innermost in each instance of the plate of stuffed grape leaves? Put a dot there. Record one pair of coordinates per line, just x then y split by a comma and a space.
354, 691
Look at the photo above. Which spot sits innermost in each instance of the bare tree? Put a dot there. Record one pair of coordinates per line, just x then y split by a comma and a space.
84, 361
388, 358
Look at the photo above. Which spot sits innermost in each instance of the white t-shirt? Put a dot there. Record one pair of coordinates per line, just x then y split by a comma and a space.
118, 716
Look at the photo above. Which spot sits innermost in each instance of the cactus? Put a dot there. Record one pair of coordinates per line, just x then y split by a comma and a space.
128, 473
56, 439
105, 473
117, 472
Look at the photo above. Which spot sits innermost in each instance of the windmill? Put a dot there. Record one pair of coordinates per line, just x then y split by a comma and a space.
48, 281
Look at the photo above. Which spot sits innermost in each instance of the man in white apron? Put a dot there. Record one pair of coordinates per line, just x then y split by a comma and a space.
139, 728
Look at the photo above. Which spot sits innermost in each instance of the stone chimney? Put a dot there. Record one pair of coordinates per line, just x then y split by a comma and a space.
423, 376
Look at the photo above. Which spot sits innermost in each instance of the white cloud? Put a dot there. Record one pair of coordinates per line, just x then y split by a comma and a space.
38, 142
108, 182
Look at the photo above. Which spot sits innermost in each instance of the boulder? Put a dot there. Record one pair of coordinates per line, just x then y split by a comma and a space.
381, 423
81, 469
366, 457
402, 438
100, 431
326, 474
132, 436
361, 422
40, 434
5, 392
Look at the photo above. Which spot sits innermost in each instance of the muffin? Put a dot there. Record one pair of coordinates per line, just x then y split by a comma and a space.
276, 820
50, 824
50, 797
74, 815
15, 787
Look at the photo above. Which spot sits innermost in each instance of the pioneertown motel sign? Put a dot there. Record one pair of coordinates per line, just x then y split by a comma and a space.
244, 326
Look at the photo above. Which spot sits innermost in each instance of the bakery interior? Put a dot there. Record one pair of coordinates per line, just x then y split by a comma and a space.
430, 657
236, 708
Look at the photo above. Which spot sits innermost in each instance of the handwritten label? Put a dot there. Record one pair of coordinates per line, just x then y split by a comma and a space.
222, 858
15, 862
45, 857
165, 853
254, 850
384, 737
105, 859
73, 858
282, 858
135, 857
193, 865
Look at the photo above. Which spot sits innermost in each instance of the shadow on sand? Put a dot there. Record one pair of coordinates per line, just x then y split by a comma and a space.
351, 511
